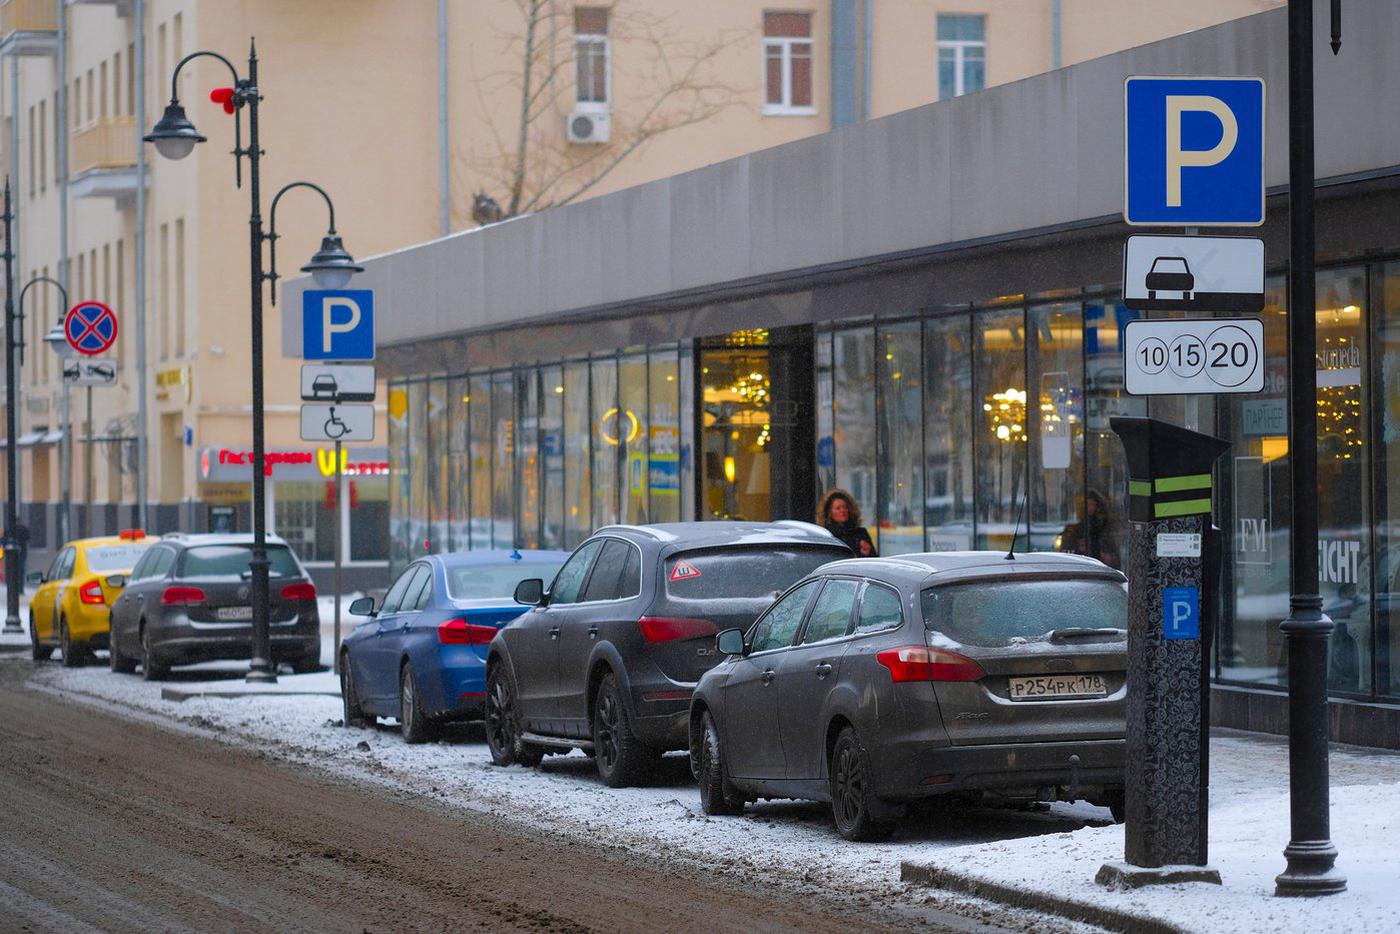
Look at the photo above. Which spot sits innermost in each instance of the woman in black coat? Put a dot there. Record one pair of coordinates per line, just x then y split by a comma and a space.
839, 514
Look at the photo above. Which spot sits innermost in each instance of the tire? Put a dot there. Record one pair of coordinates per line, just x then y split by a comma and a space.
851, 794
717, 795
622, 759
116, 661
37, 651
414, 722
1117, 804
502, 720
73, 657
353, 716
153, 668
306, 664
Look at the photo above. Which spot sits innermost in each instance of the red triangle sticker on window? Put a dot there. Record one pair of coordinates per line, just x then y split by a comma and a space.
684, 570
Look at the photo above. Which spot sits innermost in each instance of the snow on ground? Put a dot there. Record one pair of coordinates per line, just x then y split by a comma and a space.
792, 843
1248, 831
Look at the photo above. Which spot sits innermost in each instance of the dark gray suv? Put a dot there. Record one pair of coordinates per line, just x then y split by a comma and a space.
877, 682
189, 600
606, 659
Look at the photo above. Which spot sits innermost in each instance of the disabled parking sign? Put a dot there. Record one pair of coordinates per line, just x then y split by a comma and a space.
1194, 151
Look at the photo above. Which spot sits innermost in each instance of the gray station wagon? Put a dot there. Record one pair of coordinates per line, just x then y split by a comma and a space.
876, 682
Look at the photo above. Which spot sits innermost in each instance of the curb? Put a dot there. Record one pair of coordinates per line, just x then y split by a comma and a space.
180, 694
1112, 919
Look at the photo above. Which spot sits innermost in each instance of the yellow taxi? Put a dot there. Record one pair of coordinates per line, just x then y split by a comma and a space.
71, 610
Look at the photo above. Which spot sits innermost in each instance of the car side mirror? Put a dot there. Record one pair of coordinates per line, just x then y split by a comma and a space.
731, 642
530, 591
115, 580
362, 606
34, 577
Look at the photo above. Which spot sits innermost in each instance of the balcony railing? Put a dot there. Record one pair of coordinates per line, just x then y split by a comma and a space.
110, 143
27, 16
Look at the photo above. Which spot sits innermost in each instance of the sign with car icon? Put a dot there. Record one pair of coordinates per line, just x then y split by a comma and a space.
1174, 273
329, 382
79, 372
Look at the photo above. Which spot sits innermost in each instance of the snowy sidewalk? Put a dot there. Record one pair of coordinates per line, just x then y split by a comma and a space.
1248, 830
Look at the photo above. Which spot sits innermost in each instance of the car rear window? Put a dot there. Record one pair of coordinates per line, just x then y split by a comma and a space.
1001, 612
722, 573
103, 558
486, 581
233, 561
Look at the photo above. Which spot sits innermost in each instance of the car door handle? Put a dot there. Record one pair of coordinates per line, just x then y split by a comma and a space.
592, 632
768, 676
823, 669
554, 633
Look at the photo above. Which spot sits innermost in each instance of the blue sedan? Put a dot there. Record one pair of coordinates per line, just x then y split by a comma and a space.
421, 656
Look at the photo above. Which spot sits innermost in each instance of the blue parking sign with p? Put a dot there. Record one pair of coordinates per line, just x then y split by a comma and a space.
1181, 613
337, 324
1194, 151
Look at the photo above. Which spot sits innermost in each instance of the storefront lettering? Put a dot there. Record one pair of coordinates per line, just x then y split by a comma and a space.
323, 459
1337, 561
1254, 536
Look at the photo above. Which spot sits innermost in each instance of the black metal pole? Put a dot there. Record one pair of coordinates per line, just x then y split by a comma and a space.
1310, 852
13, 585
260, 667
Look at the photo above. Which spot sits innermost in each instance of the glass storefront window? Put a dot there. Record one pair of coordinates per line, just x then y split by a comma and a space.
664, 450
367, 498
1000, 434
418, 506
605, 422
479, 414
304, 515
399, 515
899, 369
853, 401
552, 456
686, 379
737, 470
1386, 566
1105, 466
1343, 451
826, 440
459, 470
1055, 440
437, 466
948, 420
503, 429
632, 432
578, 456
527, 459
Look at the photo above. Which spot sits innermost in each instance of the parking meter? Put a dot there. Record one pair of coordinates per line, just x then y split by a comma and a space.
1173, 574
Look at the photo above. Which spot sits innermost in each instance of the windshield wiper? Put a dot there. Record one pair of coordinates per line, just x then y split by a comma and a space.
1107, 632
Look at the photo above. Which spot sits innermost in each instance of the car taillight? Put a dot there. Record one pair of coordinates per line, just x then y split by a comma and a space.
921, 663
181, 596
670, 628
302, 591
91, 592
460, 632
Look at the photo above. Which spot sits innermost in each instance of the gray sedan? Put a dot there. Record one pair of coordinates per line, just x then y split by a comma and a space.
874, 683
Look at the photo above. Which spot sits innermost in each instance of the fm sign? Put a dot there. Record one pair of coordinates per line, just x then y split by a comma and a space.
337, 324
1194, 151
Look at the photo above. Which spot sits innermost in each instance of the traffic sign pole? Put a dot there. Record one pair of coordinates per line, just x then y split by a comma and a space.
340, 510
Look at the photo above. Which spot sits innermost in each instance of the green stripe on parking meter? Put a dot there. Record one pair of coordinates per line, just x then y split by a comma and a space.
1140, 487
1181, 507
1198, 481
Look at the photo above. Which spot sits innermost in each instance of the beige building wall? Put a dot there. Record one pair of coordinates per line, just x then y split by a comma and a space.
351, 102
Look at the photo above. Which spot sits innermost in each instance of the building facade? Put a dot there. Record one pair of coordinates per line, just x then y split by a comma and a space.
924, 310
400, 110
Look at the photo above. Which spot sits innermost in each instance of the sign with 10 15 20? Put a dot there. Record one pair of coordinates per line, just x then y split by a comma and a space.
1200, 355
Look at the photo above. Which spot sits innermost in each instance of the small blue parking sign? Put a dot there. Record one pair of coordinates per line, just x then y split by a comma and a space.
1194, 151
337, 324
1181, 613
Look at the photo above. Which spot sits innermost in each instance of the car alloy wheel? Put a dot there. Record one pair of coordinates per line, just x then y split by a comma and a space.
37, 651
851, 794
413, 721
622, 759
503, 723
717, 795
116, 661
151, 669
605, 734
72, 658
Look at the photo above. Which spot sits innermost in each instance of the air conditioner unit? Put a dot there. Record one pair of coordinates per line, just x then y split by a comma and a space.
588, 126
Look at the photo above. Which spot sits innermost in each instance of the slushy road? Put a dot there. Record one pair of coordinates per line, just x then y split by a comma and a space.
109, 823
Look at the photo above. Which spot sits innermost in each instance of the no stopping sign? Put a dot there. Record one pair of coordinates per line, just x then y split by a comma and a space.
1201, 355
90, 327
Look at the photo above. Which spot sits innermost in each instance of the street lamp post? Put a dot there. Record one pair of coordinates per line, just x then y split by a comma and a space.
175, 137
13, 585
58, 343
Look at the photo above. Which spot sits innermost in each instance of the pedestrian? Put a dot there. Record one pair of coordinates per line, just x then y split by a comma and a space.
839, 514
1095, 534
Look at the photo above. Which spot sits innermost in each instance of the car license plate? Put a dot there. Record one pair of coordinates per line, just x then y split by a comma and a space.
1058, 687
234, 613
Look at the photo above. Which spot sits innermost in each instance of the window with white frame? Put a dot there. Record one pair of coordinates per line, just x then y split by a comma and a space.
962, 54
592, 52
787, 63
